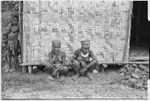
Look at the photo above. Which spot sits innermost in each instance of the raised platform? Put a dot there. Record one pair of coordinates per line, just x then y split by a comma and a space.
28, 66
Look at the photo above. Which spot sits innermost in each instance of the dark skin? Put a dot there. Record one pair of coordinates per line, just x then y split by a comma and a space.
85, 48
12, 36
56, 57
13, 32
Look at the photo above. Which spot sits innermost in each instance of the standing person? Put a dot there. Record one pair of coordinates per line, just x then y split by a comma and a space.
56, 62
82, 62
12, 43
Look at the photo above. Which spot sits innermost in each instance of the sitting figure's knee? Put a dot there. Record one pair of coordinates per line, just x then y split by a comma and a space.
83, 64
64, 69
95, 62
75, 64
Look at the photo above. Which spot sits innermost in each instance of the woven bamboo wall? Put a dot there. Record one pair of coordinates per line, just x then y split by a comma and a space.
106, 24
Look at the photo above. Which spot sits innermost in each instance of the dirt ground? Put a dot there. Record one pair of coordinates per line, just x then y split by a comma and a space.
19, 85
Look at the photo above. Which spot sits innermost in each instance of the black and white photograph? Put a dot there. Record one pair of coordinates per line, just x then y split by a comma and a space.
74, 50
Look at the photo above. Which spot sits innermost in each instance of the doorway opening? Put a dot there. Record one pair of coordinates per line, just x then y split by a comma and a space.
140, 32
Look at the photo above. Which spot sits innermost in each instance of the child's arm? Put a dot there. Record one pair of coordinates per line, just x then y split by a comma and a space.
5, 38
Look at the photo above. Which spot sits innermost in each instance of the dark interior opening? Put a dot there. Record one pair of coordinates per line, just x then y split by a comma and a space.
140, 30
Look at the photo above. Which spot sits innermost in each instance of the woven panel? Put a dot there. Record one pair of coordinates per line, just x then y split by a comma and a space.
104, 23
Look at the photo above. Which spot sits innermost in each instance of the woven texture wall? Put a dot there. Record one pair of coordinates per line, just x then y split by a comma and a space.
105, 23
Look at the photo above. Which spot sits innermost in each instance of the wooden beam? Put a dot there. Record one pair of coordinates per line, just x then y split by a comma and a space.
30, 69
139, 62
29, 64
140, 58
145, 62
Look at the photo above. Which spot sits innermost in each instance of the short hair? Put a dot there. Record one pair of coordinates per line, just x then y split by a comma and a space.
56, 43
83, 41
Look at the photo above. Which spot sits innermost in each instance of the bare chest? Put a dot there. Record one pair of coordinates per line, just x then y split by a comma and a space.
14, 31
84, 57
58, 58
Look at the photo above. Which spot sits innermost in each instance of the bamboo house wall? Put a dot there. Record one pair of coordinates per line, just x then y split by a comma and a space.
105, 23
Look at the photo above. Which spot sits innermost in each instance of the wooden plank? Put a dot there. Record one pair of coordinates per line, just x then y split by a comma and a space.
21, 26
25, 32
29, 63
144, 62
30, 69
140, 58
54, 25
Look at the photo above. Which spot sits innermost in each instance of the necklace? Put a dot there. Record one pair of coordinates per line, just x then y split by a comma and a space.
85, 55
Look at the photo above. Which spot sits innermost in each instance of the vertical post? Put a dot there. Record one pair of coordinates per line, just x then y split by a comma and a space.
128, 30
30, 69
20, 27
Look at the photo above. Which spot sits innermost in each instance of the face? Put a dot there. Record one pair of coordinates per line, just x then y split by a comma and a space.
14, 20
85, 48
56, 49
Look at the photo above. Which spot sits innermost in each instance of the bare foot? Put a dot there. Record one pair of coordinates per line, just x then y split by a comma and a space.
50, 77
95, 71
89, 76
61, 78
57, 76
75, 77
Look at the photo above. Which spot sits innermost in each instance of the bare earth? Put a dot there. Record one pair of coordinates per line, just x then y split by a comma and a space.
19, 85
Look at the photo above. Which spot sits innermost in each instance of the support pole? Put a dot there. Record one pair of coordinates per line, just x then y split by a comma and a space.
30, 69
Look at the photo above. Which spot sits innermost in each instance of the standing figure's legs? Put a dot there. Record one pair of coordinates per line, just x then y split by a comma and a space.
8, 61
15, 62
11, 61
13, 53
17, 52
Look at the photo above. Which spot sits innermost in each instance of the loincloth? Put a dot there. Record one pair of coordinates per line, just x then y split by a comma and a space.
13, 47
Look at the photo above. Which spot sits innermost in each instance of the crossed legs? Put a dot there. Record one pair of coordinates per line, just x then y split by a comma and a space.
77, 67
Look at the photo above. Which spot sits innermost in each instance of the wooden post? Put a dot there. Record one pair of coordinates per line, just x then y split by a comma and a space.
21, 27
128, 30
30, 69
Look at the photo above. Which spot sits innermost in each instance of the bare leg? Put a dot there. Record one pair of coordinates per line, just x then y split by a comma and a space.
63, 71
76, 69
14, 62
83, 66
50, 70
93, 64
